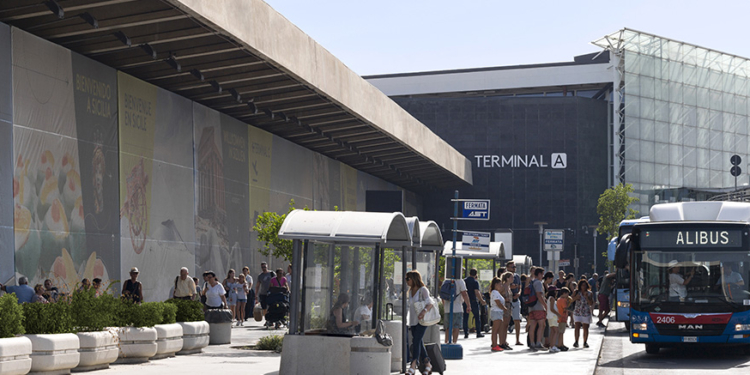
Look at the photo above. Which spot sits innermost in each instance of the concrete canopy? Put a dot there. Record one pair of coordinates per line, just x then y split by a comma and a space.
347, 228
497, 251
243, 58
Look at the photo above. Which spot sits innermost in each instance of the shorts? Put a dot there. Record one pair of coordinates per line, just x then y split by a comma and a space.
243, 300
552, 322
561, 327
582, 319
515, 310
603, 302
537, 315
263, 304
496, 315
458, 320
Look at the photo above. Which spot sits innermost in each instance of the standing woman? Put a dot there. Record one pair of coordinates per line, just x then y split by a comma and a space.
584, 301
214, 291
506, 279
241, 290
230, 292
417, 293
497, 311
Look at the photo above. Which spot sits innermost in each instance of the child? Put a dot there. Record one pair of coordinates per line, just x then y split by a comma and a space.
562, 306
552, 317
497, 311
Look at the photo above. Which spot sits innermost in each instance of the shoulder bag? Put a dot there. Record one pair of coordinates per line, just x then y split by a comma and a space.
383, 338
432, 316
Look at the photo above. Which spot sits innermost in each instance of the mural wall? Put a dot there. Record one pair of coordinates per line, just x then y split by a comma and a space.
110, 172
7, 264
156, 184
59, 234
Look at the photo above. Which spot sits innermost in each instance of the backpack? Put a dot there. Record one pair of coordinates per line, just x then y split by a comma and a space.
446, 290
529, 295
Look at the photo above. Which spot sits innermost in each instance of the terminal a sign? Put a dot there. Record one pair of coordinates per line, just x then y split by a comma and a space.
557, 160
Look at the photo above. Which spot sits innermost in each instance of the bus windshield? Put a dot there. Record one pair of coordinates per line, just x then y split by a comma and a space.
678, 280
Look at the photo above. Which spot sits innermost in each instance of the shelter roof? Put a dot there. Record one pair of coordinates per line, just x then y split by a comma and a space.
347, 227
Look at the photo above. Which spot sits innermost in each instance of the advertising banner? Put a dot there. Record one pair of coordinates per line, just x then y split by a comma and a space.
7, 265
60, 232
156, 185
476, 241
222, 224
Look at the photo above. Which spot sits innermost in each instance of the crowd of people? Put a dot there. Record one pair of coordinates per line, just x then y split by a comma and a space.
548, 305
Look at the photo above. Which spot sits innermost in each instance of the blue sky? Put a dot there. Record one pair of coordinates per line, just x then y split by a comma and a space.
386, 36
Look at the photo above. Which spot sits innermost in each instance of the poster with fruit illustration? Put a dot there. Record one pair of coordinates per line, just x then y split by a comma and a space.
156, 185
59, 233
7, 265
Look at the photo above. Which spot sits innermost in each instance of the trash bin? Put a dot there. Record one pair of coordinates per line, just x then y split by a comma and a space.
368, 357
393, 328
220, 326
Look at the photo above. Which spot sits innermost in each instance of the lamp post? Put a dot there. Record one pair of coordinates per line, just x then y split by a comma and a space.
595, 233
541, 225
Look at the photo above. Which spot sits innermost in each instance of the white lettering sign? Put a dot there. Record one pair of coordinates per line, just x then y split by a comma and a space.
556, 161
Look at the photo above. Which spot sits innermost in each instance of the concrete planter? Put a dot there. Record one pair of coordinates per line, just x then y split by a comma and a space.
220, 326
304, 355
15, 356
168, 340
368, 357
137, 344
194, 337
55, 354
98, 350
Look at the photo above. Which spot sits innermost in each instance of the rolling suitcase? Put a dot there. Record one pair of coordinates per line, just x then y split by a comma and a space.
436, 358
451, 351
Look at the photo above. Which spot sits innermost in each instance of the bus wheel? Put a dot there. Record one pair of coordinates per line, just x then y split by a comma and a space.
627, 326
652, 349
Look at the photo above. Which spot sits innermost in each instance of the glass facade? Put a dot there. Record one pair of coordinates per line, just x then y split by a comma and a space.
683, 112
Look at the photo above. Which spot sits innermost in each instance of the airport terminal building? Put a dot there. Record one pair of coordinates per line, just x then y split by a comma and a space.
545, 140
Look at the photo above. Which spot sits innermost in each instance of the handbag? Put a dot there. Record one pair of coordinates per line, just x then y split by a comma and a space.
383, 337
432, 316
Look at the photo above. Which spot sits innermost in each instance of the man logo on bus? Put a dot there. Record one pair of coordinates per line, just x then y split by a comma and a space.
690, 326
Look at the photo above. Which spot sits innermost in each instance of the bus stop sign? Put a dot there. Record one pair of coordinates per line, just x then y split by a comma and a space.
475, 209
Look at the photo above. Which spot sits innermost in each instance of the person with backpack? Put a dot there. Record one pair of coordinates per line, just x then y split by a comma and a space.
537, 310
458, 287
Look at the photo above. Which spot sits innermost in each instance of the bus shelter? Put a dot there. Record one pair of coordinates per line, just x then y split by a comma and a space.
335, 253
486, 262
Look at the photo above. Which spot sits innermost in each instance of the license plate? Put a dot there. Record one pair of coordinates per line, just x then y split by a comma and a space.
690, 339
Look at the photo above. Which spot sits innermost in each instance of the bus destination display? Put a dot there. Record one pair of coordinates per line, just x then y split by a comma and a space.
693, 238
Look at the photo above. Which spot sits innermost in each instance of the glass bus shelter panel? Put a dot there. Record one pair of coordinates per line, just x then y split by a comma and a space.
333, 270
719, 279
394, 282
426, 264
485, 272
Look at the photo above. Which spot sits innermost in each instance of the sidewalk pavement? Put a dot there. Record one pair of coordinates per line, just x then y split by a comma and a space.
477, 357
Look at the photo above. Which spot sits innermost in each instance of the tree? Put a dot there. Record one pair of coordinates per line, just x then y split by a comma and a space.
267, 226
614, 207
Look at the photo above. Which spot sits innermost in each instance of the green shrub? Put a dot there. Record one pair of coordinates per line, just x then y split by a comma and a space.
169, 313
11, 316
187, 311
129, 314
91, 313
272, 342
47, 318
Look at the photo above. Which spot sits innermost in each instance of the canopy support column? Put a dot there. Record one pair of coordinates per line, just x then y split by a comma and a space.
404, 306
294, 318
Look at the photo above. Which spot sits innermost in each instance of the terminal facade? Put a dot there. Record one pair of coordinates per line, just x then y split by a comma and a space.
663, 115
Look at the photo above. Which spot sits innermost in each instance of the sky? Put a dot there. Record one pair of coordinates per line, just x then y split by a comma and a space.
387, 36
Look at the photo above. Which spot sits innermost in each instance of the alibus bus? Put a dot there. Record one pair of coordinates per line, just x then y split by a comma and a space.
622, 280
689, 264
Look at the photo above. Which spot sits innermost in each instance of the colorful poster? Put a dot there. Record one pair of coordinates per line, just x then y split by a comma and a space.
58, 234
156, 185
7, 264
222, 219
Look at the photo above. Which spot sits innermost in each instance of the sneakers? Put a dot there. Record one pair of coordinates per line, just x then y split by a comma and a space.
554, 349
497, 348
599, 324
585, 345
575, 344
563, 348
506, 346
479, 335
466, 335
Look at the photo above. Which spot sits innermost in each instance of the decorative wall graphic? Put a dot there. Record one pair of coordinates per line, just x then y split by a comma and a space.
156, 189
7, 264
58, 232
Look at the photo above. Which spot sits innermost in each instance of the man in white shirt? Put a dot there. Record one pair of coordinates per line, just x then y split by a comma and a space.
458, 309
677, 289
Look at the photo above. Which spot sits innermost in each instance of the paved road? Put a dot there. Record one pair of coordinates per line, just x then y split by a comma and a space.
620, 357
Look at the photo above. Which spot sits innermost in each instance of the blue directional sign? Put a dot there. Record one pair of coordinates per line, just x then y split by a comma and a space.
475, 209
